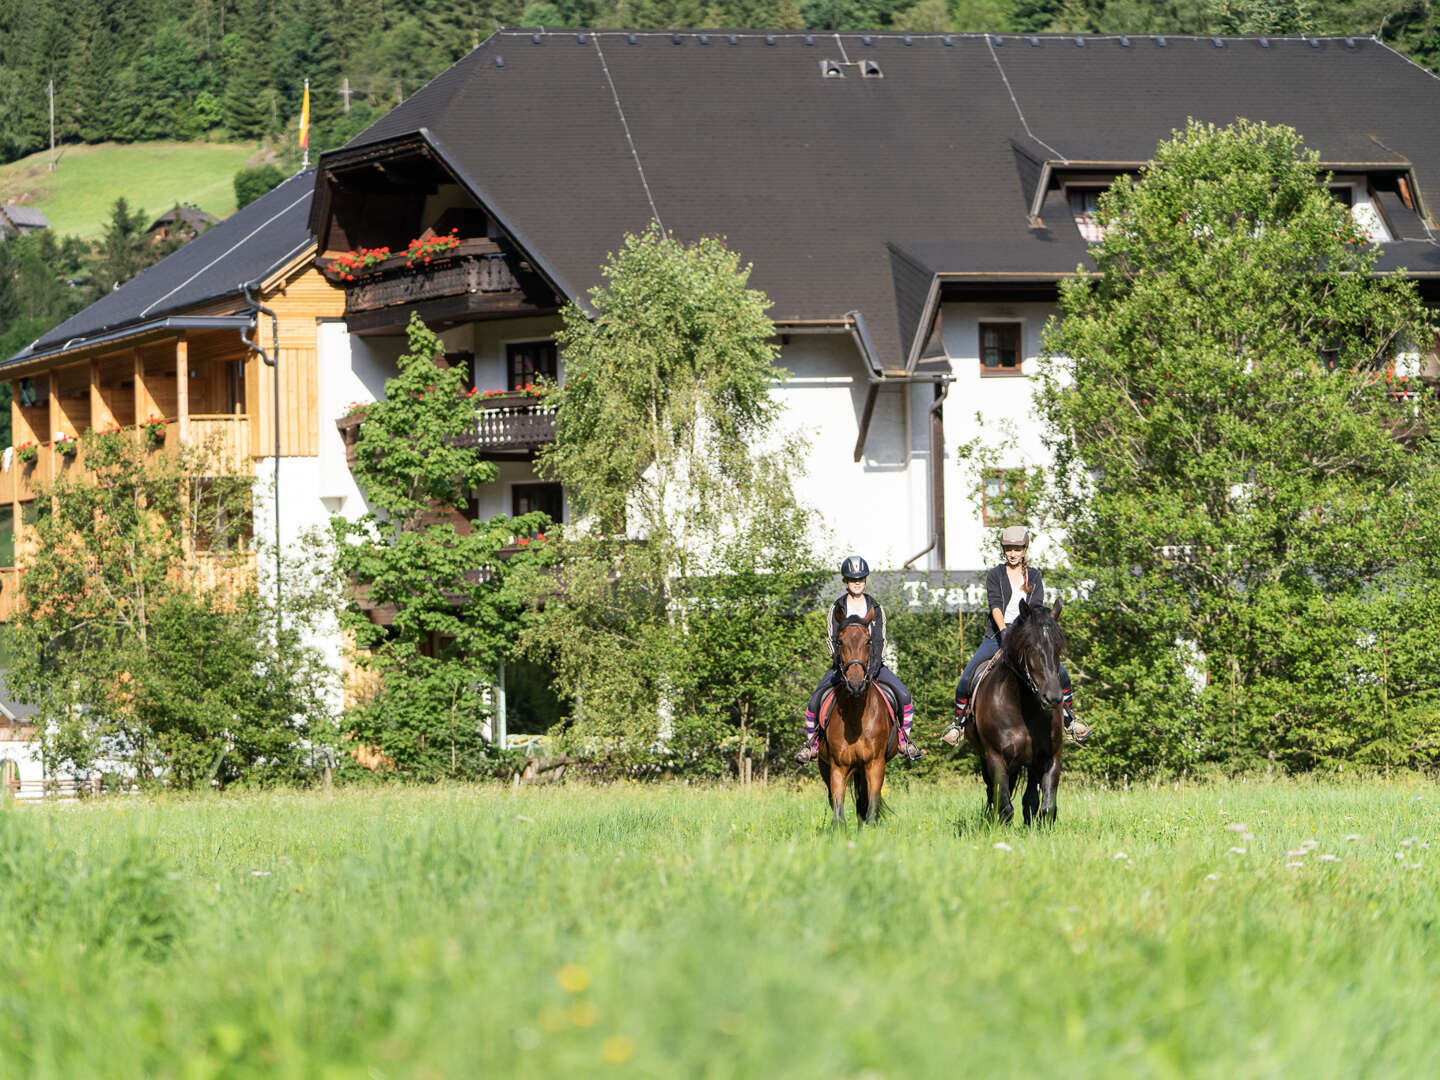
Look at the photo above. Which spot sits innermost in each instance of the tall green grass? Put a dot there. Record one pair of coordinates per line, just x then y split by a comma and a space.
677, 931
77, 197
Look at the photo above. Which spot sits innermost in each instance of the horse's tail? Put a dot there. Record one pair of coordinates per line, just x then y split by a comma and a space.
862, 798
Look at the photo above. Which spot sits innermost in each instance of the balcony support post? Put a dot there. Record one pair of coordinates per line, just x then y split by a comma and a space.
100, 415
52, 383
182, 387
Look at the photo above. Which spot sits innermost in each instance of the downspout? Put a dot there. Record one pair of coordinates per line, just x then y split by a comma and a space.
271, 361
937, 476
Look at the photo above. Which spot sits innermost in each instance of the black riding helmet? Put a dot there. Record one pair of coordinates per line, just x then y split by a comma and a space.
854, 569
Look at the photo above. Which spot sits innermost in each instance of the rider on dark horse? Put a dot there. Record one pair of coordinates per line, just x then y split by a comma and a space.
1005, 585
857, 602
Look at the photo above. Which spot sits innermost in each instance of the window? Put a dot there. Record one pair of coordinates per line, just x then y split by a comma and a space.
546, 498
527, 360
1344, 195
1085, 208
1003, 502
999, 348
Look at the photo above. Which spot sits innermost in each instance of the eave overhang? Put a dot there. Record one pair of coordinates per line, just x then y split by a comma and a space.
425, 142
134, 333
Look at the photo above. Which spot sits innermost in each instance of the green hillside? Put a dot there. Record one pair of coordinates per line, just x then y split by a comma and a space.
87, 180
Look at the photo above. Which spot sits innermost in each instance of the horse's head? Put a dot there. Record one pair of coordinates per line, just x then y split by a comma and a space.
854, 642
1033, 644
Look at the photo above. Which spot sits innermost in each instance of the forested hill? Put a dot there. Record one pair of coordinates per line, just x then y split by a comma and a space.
137, 70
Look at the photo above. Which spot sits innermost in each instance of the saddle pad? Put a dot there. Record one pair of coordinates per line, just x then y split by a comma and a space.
828, 702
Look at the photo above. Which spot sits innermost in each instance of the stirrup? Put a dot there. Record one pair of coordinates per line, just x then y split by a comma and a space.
955, 732
808, 753
910, 751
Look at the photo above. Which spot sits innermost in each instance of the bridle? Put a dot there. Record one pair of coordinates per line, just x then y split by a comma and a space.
864, 665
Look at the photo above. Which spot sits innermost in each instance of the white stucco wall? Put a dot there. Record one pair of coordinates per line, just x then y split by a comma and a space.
998, 410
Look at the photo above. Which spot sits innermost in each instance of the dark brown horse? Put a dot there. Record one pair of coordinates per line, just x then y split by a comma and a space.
1018, 720
860, 734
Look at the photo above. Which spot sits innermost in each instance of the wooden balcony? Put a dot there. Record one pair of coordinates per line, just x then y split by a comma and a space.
225, 439
475, 280
511, 426
508, 427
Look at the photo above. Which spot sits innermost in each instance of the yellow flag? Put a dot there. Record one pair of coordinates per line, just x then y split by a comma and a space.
305, 118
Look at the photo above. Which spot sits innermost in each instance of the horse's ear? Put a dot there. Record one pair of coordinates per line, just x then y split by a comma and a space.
869, 617
1024, 609
1055, 611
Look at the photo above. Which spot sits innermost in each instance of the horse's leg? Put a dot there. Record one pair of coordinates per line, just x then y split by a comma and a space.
1001, 786
1031, 802
989, 776
839, 777
1049, 786
874, 781
862, 798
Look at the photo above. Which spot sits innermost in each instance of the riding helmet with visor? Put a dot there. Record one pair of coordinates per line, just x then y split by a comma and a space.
854, 569
1015, 536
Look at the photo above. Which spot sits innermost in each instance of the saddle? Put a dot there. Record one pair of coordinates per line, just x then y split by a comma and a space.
985, 669
827, 703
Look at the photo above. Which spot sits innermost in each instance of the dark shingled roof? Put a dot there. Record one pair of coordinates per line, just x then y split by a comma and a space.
841, 191
26, 217
245, 247
190, 216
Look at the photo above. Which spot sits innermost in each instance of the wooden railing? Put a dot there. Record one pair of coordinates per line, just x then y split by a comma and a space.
512, 424
506, 425
475, 266
228, 439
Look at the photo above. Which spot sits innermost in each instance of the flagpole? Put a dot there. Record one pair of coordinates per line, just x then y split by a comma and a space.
305, 126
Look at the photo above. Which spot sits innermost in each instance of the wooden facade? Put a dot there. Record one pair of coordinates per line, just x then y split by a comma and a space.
206, 387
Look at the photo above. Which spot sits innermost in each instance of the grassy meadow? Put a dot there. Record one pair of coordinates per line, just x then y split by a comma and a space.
1238, 930
78, 195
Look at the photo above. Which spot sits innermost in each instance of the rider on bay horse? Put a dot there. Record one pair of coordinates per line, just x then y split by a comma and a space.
857, 602
1005, 585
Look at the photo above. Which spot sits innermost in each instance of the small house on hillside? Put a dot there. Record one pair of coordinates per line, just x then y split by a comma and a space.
184, 221
19, 220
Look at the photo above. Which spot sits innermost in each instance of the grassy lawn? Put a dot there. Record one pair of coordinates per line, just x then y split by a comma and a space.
662, 931
78, 195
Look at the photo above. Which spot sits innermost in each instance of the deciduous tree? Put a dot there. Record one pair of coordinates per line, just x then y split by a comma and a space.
1246, 468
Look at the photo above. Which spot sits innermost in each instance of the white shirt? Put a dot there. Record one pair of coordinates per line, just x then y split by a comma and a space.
1012, 609
855, 605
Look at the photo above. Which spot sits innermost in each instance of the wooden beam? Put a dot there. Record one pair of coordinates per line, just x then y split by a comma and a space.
53, 384
16, 511
101, 416
182, 387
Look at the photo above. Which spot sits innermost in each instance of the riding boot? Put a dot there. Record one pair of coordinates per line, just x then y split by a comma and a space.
811, 750
1075, 730
907, 746
956, 731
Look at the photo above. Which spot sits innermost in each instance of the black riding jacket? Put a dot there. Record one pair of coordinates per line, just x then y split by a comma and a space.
997, 593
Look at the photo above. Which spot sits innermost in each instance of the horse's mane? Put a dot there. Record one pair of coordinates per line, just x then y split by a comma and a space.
1038, 627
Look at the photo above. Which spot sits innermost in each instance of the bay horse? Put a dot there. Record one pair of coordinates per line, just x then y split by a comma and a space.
1018, 722
861, 733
